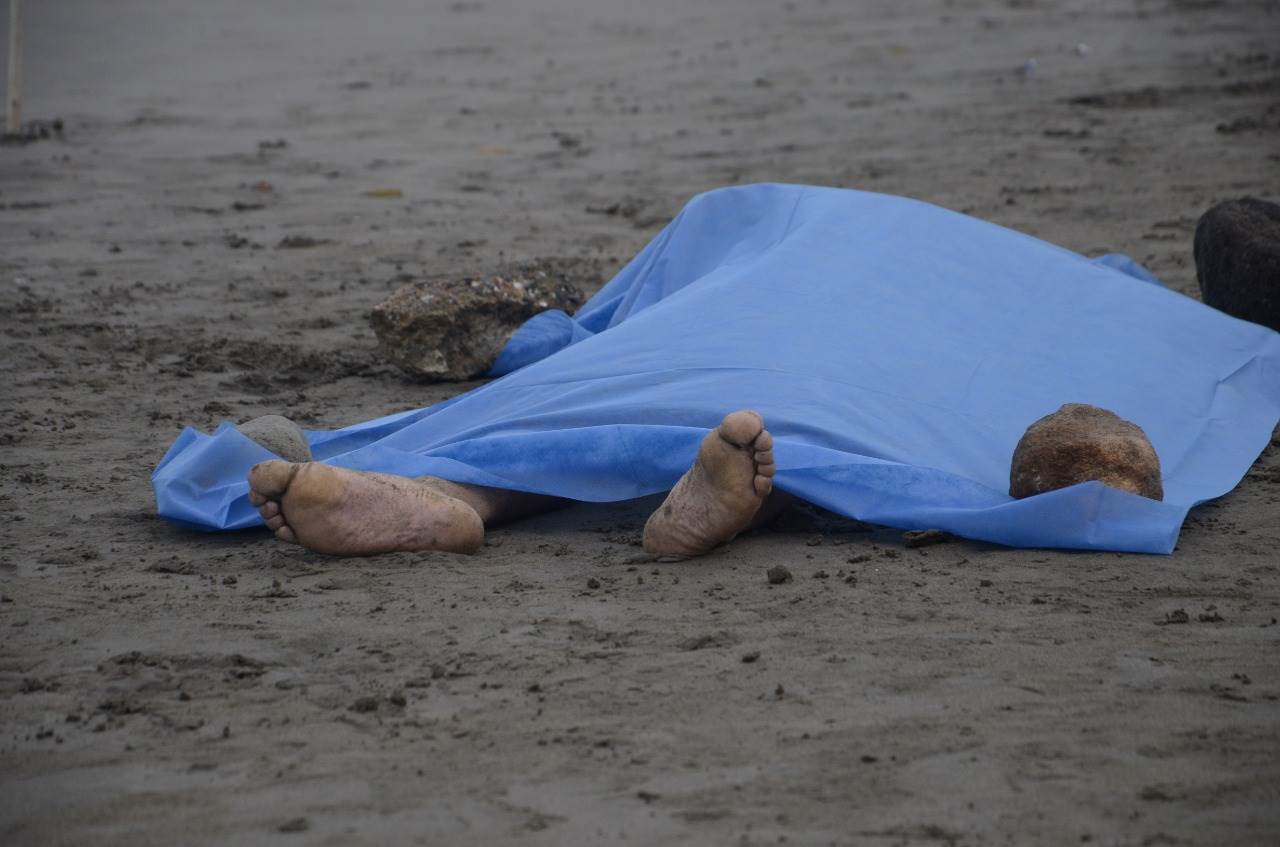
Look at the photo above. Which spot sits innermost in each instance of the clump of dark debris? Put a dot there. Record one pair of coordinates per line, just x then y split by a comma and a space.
34, 131
453, 329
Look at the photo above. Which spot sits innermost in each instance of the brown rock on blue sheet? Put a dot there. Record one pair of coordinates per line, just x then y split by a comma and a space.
1079, 443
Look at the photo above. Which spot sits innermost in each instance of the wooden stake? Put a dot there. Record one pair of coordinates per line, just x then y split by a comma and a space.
13, 116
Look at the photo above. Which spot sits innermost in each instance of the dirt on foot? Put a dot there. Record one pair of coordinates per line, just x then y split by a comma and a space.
341, 512
720, 495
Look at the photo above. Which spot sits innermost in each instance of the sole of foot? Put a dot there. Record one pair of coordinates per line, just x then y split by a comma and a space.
719, 496
353, 513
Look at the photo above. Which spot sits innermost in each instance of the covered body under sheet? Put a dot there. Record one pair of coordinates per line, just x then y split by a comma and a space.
896, 350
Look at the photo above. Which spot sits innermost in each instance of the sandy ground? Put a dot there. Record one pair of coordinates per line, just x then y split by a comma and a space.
163, 687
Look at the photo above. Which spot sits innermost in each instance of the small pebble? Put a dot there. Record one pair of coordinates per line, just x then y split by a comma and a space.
365, 704
778, 575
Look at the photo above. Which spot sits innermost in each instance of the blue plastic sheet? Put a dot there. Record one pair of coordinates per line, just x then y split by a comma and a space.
897, 351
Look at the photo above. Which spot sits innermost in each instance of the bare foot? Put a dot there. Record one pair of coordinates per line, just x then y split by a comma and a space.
353, 513
720, 495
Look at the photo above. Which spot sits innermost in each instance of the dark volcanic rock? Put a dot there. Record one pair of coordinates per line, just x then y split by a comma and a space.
1078, 443
1237, 249
279, 435
453, 330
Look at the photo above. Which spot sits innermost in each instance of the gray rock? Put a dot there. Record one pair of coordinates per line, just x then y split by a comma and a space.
279, 435
1237, 249
453, 330
778, 574
1079, 443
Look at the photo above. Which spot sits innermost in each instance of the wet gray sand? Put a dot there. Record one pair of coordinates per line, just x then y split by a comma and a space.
238, 185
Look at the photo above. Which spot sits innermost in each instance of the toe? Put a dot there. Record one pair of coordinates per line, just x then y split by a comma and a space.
285, 533
741, 428
763, 484
271, 479
764, 441
274, 523
269, 509
764, 457
255, 498
766, 469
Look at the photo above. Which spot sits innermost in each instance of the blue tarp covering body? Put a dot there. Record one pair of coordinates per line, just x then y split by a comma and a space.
896, 350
